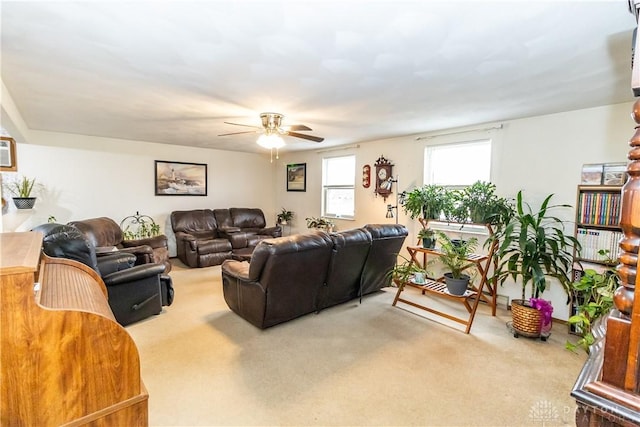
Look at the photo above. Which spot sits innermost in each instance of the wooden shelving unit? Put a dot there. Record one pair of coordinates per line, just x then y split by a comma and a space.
436, 287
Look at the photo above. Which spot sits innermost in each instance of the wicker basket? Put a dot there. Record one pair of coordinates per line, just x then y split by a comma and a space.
526, 319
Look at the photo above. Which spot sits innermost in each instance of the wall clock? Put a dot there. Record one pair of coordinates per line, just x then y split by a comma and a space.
366, 176
384, 169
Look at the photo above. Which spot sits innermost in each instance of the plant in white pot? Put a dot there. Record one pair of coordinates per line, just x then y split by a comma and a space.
22, 190
284, 217
455, 257
532, 248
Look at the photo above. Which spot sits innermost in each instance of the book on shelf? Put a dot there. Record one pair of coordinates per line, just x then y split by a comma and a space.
593, 240
599, 208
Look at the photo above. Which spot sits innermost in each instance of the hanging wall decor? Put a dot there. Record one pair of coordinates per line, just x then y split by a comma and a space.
384, 177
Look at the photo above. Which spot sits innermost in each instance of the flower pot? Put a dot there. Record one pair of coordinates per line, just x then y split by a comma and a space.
527, 320
456, 286
428, 242
24, 202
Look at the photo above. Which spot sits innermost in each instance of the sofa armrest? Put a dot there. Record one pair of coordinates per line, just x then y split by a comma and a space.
275, 231
118, 261
133, 274
236, 269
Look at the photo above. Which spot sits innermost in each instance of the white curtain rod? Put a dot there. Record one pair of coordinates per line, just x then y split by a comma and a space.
500, 126
344, 147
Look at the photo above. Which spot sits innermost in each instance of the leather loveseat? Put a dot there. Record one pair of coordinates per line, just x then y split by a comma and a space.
295, 275
206, 237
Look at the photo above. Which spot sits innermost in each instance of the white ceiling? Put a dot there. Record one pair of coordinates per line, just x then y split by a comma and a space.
353, 71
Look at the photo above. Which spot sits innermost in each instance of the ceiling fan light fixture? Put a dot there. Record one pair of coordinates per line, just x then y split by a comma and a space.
270, 141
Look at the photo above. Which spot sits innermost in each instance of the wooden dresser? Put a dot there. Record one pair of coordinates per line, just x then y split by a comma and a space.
65, 360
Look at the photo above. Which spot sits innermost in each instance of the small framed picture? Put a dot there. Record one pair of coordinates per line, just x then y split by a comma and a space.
8, 159
180, 179
297, 177
591, 174
614, 174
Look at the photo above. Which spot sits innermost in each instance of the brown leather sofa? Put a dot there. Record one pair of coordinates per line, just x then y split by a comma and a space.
295, 275
206, 237
105, 234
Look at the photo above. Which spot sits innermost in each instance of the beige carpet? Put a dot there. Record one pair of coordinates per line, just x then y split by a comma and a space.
370, 364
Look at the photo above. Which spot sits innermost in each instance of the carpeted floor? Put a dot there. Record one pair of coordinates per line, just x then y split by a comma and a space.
351, 365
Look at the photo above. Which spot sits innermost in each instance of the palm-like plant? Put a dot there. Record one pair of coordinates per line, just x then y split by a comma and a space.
533, 247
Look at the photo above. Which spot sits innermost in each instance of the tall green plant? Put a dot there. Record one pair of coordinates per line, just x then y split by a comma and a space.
533, 247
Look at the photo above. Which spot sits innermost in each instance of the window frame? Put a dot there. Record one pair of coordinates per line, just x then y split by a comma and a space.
326, 188
427, 177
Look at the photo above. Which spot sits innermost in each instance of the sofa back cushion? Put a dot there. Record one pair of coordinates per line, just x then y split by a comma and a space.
223, 218
194, 221
101, 231
386, 243
291, 270
66, 241
248, 218
350, 251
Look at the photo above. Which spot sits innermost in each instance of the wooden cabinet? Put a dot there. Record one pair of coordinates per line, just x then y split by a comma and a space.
65, 360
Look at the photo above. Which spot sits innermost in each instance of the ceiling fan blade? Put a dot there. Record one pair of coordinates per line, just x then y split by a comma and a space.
240, 124
303, 136
298, 127
238, 133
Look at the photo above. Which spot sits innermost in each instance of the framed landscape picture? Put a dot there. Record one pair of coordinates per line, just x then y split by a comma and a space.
297, 177
180, 179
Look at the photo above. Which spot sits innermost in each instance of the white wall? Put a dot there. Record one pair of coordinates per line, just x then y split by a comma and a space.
540, 155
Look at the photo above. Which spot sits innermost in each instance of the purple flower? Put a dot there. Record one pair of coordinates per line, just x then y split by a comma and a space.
544, 307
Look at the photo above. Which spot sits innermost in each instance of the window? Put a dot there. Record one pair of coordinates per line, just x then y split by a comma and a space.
458, 164
338, 186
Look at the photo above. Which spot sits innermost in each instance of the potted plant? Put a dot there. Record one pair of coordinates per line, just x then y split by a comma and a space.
427, 236
593, 298
320, 223
139, 227
22, 190
406, 271
455, 259
533, 247
480, 204
284, 216
427, 201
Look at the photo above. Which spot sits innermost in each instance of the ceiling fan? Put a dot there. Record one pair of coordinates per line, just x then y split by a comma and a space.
272, 125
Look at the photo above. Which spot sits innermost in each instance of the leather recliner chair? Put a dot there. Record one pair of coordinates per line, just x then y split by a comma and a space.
198, 243
105, 234
135, 291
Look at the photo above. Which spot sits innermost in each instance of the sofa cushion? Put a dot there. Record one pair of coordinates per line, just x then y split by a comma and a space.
196, 220
350, 250
102, 232
248, 218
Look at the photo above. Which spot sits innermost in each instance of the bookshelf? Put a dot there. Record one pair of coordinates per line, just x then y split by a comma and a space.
598, 221
598, 209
